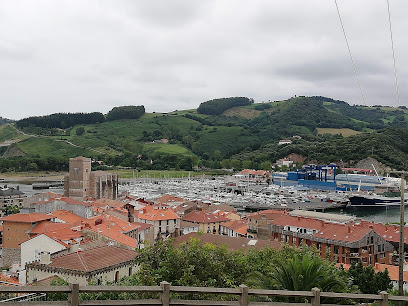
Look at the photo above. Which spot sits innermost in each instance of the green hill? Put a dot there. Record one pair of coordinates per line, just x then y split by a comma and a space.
245, 135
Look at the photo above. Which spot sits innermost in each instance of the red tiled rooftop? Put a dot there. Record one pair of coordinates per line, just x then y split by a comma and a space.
111, 222
26, 218
343, 232
68, 217
8, 279
102, 203
236, 224
389, 232
301, 222
93, 259
269, 214
393, 271
199, 216
60, 231
158, 214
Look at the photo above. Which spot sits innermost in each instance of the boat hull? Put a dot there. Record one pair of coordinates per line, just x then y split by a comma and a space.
365, 201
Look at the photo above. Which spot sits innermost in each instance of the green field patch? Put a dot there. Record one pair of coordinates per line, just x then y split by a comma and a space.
7, 132
168, 148
388, 119
344, 132
242, 112
41, 146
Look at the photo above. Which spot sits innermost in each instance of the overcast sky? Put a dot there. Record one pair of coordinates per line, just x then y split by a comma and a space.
85, 56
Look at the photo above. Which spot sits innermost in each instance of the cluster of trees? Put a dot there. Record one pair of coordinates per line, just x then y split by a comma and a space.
125, 112
22, 164
61, 120
41, 124
5, 120
218, 106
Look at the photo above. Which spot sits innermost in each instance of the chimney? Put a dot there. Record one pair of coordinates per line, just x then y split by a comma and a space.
348, 229
74, 248
45, 258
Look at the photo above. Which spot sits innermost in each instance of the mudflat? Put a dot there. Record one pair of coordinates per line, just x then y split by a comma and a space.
32, 176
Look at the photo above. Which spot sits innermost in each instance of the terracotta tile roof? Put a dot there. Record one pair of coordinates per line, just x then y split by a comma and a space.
343, 232
116, 236
93, 259
231, 243
199, 216
393, 271
8, 279
114, 228
226, 214
108, 203
389, 232
302, 222
236, 224
243, 230
68, 216
142, 226
112, 222
60, 231
158, 214
269, 214
49, 236
45, 281
26, 218
254, 172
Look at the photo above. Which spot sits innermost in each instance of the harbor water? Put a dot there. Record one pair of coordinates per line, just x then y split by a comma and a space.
378, 215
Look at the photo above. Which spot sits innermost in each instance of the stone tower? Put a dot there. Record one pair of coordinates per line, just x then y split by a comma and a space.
77, 183
81, 183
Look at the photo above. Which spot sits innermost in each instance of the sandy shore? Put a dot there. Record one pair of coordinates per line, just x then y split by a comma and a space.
32, 177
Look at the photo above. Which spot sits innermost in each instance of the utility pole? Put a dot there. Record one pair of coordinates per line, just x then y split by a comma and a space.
401, 242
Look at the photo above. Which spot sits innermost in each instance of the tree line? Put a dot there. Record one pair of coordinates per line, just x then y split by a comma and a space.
218, 106
67, 120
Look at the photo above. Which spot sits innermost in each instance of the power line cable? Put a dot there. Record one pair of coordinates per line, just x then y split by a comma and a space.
351, 56
393, 57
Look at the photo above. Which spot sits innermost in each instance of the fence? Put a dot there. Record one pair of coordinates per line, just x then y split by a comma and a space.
164, 291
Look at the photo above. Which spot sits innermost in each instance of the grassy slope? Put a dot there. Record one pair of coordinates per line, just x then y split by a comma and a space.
344, 132
7, 132
48, 147
168, 148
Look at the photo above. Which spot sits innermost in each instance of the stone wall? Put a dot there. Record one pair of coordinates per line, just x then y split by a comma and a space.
84, 211
10, 256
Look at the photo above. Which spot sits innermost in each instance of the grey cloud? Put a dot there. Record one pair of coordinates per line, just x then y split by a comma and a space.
94, 55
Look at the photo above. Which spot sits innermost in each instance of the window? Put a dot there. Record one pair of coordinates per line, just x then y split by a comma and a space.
76, 170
